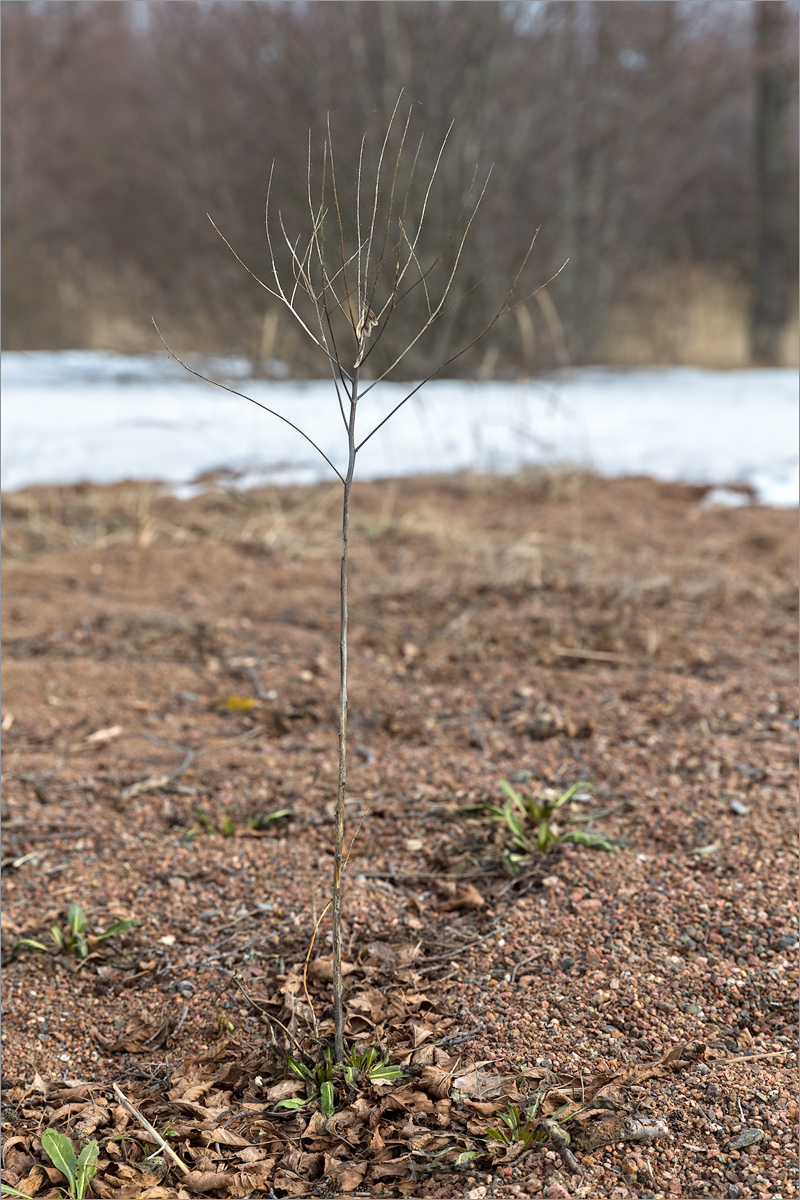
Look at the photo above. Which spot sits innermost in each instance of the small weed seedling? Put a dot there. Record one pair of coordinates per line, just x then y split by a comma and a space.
226, 827
525, 1126
76, 939
532, 828
518, 1126
371, 1066
79, 1171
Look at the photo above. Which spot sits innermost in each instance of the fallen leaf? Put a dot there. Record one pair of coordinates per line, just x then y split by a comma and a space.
31, 1182
351, 1177
238, 703
290, 1185
479, 1085
286, 1089
202, 1182
141, 1034
322, 969
467, 896
105, 735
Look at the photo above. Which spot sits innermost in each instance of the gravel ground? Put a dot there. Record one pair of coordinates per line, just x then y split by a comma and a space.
544, 630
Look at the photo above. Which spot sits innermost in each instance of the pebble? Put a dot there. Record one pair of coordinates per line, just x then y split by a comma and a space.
748, 1137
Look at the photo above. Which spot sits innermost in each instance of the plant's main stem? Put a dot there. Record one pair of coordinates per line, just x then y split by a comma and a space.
338, 1016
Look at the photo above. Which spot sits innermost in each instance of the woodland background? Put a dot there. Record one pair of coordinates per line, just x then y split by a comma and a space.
655, 144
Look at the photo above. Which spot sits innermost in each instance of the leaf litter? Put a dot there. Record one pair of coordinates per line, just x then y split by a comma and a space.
225, 1125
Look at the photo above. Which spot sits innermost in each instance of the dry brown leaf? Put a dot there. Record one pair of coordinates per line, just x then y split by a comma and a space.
132, 1185
412, 1100
17, 1162
351, 1177
203, 1182
32, 1182
340, 1122
322, 969
467, 896
225, 1137
189, 1090
370, 1002
254, 1181
142, 1034
421, 1033
435, 1081
316, 1125
485, 1107
24, 1143
254, 1154
480, 1085
287, 1089
390, 1170
290, 1184
94, 1116
376, 1142
67, 1110
383, 954
77, 1091
193, 1108
301, 1162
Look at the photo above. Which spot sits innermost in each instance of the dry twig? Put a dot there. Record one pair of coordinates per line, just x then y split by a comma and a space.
145, 1124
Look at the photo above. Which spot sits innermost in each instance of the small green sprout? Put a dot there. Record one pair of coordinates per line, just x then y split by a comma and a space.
532, 828
79, 1171
519, 1126
371, 1065
75, 938
225, 828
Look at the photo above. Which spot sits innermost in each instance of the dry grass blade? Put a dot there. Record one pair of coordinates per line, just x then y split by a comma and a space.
145, 1124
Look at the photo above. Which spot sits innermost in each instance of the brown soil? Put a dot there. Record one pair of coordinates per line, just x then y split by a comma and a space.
546, 629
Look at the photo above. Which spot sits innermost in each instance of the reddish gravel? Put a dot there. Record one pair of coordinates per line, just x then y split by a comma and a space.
544, 629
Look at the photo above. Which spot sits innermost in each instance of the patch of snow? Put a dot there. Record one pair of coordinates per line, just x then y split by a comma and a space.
85, 415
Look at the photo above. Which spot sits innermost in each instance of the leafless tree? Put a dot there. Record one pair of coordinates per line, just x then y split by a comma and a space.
351, 269
775, 271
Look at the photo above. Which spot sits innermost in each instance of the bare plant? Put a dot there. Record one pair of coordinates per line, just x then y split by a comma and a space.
343, 282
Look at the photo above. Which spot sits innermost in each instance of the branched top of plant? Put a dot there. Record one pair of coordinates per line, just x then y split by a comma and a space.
342, 280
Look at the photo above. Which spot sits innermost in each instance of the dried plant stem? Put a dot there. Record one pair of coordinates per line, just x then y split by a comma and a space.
338, 1018
148, 1128
330, 285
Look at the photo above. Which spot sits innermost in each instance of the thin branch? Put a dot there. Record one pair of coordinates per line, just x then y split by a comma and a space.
148, 1128
424, 209
390, 209
395, 300
308, 959
377, 197
262, 1012
280, 294
503, 308
338, 213
358, 212
422, 273
438, 309
257, 403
